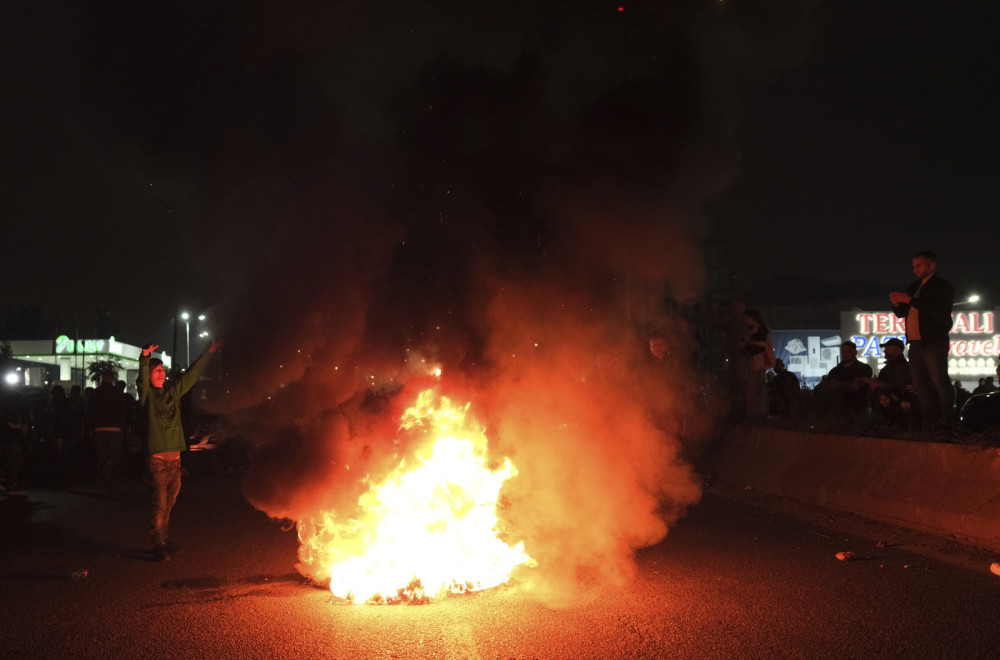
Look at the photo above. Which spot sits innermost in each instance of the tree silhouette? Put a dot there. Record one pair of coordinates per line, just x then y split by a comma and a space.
97, 367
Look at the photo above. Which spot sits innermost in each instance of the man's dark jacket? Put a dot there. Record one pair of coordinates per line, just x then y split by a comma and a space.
934, 305
107, 408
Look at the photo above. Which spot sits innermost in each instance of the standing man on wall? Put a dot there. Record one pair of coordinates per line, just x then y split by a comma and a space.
165, 439
926, 306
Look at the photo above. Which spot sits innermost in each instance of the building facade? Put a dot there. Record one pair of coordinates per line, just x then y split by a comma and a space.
44, 362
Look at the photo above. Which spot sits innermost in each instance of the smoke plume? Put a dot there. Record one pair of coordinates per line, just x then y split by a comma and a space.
519, 210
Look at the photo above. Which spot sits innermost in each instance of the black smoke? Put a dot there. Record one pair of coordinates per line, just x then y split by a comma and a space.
510, 192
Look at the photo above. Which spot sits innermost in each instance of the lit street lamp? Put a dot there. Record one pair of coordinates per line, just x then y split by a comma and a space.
974, 298
187, 335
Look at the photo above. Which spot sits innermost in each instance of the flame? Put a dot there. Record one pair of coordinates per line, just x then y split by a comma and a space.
427, 529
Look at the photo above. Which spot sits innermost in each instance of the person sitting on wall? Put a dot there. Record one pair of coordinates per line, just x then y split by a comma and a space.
961, 395
758, 352
892, 391
785, 390
847, 379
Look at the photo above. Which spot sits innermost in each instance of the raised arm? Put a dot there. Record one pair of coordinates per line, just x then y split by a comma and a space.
143, 383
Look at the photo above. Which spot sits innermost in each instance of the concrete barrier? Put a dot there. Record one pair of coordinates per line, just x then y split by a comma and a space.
945, 489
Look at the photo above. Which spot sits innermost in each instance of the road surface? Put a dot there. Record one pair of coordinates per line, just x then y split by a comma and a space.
737, 577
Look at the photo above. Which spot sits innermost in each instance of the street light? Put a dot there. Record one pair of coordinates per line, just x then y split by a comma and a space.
201, 317
974, 298
187, 334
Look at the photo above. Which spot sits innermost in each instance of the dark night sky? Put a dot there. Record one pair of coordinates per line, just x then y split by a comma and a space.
880, 143
191, 153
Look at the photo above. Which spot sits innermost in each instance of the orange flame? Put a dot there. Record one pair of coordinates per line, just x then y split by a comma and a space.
427, 529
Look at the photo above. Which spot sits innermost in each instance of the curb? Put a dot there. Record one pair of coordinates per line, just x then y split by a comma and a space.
944, 489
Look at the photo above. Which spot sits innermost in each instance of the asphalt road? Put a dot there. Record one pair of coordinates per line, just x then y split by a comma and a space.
736, 578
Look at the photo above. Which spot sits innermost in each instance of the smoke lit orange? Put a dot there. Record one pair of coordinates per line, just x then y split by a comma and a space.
428, 528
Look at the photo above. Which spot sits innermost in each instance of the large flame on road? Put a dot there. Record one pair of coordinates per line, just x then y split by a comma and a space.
430, 527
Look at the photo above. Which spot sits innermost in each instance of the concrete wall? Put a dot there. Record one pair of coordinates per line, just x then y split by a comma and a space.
945, 489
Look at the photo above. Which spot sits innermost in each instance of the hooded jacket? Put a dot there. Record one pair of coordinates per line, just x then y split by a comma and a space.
162, 406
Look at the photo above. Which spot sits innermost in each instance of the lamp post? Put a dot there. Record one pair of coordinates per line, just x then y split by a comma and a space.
201, 317
186, 317
205, 336
187, 335
974, 298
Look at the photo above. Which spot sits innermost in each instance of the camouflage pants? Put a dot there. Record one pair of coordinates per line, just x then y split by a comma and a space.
165, 481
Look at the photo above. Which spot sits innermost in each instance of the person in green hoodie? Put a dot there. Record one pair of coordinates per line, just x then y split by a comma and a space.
161, 403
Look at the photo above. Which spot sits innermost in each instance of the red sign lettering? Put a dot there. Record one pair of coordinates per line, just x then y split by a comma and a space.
865, 321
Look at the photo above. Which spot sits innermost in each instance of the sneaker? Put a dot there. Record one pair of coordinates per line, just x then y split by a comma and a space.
173, 548
160, 553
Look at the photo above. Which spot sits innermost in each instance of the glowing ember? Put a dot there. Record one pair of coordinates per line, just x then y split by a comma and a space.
427, 529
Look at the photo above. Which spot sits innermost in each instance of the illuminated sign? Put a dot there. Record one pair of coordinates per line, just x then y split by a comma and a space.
975, 342
809, 354
66, 346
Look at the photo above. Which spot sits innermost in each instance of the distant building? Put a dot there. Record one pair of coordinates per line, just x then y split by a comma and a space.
36, 359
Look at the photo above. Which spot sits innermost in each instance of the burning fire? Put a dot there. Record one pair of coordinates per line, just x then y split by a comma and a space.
428, 528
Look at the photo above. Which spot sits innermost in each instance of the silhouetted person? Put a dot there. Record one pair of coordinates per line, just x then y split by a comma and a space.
891, 389
59, 416
131, 412
759, 354
107, 417
165, 440
656, 380
926, 306
14, 424
961, 395
76, 451
847, 379
729, 320
785, 390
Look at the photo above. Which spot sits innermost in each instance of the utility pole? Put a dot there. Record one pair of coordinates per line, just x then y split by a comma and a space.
173, 351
